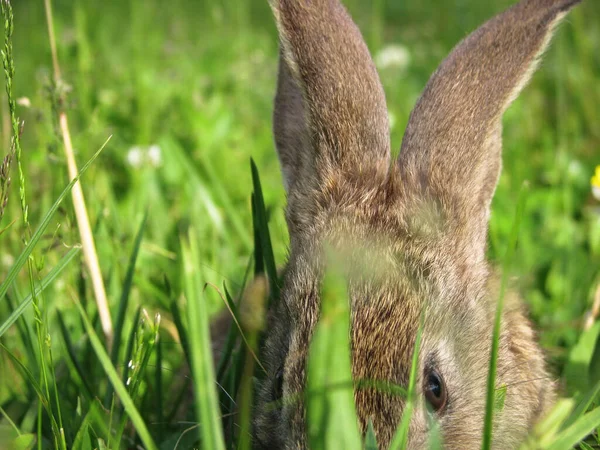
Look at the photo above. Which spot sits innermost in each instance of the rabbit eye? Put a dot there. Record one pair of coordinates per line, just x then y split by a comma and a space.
435, 390
278, 384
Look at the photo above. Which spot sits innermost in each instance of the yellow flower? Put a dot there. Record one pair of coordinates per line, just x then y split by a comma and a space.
596, 177
596, 183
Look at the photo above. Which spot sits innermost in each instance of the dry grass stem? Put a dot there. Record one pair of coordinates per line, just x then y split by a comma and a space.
83, 222
592, 315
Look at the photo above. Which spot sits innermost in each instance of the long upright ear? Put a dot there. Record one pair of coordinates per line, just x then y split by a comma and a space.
451, 150
330, 114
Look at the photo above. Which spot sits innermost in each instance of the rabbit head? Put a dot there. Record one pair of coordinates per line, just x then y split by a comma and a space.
417, 225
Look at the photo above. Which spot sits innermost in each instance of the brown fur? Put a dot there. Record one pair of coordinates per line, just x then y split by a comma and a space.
417, 227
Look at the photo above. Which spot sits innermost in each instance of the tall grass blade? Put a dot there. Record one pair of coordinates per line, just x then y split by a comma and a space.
207, 406
576, 371
160, 414
370, 439
145, 336
488, 426
113, 376
127, 284
181, 331
130, 343
332, 420
27, 375
91, 420
87, 390
233, 215
232, 335
48, 279
263, 233
400, 439
594, 368
583, 405
22, 258
570, 437
23, 327
545, 430
252, 318
259, 261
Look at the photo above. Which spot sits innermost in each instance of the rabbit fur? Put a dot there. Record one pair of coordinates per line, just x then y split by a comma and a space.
416, 225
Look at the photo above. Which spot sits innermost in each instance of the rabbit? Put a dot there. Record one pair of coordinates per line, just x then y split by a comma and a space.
422, 219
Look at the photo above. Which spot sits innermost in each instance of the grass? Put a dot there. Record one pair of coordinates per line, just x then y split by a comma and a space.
492, 391
186, 94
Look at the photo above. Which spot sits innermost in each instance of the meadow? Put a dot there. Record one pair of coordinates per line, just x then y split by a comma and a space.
178, 97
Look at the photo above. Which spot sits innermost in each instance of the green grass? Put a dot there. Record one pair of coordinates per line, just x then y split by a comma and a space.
196, 79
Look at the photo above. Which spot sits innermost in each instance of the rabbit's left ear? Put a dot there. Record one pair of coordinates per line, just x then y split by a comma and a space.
330, 115
451, 151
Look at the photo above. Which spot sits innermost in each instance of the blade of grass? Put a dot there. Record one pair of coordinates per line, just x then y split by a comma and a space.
230, 342
232, 212
207, 406
181, 331
48, 279
578, 431
34, 384
124, 302
159, 391
22, 258
130, 344
545, 431
582, 406
118, 385
263, 233
87, 391
576, 372
259, 263
127, 284
594, 368
506, 264
144, 342
23, 328
233, 332
10, 421
370, 439
400, 439
82, 439
332, 420
252, 314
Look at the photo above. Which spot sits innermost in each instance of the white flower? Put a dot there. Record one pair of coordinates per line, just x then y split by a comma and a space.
155, 155
7, 260
135, 157
393, 56
24, 102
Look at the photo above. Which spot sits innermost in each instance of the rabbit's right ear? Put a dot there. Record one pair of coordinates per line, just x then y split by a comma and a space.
330, 117
451, 151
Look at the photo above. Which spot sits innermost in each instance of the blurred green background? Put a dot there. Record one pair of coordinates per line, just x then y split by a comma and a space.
185, 88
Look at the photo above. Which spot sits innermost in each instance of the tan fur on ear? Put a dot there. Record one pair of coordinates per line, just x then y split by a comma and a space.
452, 145
330, 114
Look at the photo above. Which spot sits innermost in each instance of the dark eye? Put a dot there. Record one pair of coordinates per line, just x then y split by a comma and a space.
278, 384
435, 390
